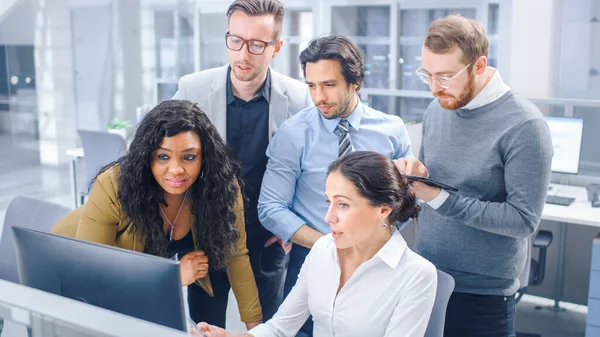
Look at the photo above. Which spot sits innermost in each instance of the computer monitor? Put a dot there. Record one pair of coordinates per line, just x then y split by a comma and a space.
131, 283
566, 139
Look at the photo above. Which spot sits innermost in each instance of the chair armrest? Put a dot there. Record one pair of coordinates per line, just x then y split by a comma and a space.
543, 239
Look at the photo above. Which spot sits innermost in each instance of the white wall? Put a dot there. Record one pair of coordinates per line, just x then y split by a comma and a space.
533, 29
580, 50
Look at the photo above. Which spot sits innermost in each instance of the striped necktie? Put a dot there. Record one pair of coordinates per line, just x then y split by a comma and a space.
345, 144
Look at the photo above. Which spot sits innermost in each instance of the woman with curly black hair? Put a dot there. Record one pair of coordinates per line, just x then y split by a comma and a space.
176, 191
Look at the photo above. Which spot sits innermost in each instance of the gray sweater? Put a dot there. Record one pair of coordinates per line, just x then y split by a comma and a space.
499, 157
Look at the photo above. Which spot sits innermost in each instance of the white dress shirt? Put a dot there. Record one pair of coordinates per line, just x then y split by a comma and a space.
392, 294
495, 89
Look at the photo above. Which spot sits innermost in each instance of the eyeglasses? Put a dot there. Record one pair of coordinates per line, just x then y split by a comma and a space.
256, 47
441, 81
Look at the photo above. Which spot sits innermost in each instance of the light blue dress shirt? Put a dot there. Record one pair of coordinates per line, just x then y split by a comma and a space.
293, 188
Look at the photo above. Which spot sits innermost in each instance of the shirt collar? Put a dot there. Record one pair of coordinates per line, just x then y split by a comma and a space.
264, 91
353, 119
391, 253
491, 92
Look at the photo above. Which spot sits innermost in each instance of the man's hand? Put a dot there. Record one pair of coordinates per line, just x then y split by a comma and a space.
286, 246
413, 167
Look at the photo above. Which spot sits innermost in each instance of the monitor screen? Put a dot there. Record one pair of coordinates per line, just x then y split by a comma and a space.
566, 139
128, 282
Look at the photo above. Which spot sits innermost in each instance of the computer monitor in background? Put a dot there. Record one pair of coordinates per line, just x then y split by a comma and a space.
131, 283
566, 139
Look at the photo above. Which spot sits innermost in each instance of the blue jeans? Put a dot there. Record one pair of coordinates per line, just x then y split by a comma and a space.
470, 315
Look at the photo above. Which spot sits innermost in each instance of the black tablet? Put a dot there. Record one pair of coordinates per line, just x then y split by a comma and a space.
432, 182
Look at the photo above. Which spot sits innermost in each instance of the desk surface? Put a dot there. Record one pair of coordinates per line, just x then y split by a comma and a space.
579, 212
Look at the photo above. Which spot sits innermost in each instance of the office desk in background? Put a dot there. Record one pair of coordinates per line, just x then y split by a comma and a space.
580, 212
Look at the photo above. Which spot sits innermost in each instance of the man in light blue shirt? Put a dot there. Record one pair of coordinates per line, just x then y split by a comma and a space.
292, 200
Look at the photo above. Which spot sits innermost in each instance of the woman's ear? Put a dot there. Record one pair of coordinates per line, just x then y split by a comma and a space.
384, 211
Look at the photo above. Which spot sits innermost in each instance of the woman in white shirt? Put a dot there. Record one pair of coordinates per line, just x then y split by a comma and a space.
362, 279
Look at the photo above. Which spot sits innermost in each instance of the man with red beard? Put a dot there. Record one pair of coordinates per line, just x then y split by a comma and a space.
247, 102
495, 147
292, 201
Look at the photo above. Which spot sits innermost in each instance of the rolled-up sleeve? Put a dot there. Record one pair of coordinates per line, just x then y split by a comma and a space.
279, 185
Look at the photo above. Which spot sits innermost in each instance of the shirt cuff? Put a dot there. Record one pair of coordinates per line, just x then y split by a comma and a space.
439, 200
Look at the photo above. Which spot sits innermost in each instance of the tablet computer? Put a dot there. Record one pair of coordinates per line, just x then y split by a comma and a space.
431, 182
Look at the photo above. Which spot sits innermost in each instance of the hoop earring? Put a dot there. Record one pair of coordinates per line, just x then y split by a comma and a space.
201, 174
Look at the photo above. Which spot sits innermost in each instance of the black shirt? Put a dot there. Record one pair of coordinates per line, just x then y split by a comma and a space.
182, 246
248, 138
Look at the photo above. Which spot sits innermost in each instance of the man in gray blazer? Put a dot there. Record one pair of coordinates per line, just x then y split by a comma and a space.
247, 101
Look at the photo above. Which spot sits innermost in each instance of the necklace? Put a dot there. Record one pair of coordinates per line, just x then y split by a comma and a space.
172, 224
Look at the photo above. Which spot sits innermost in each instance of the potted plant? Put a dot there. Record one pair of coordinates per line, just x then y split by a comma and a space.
119, 127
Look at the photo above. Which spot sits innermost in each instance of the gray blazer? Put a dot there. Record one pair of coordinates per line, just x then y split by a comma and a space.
208, 89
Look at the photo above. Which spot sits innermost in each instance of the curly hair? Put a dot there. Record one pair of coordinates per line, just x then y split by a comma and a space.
213, 195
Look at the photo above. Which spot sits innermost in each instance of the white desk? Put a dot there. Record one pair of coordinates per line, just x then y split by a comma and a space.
74, 153
580, 212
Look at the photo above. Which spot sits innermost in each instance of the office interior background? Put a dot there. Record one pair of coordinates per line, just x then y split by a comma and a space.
79, 64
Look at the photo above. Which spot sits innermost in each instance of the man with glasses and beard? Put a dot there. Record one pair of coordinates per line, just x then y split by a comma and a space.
247, 102
495, 147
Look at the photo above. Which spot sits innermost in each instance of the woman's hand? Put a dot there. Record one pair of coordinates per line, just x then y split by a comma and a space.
211, 331
193, 266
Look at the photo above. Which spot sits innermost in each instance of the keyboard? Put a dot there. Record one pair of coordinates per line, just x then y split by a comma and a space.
558, 200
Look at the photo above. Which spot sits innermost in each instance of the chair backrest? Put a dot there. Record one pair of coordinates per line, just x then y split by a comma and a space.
445, 287
100, 148
30, 213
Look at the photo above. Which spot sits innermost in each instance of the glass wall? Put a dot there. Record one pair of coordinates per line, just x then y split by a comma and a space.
297, 32
18, 101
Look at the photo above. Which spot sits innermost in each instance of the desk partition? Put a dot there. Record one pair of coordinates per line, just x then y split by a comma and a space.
593, 318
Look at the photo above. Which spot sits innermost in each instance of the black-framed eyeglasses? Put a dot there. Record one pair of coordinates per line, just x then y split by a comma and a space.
256, 47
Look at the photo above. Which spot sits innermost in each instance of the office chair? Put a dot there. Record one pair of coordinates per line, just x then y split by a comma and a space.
445, 287
30, 213
100, 148
26, 212
534, 272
